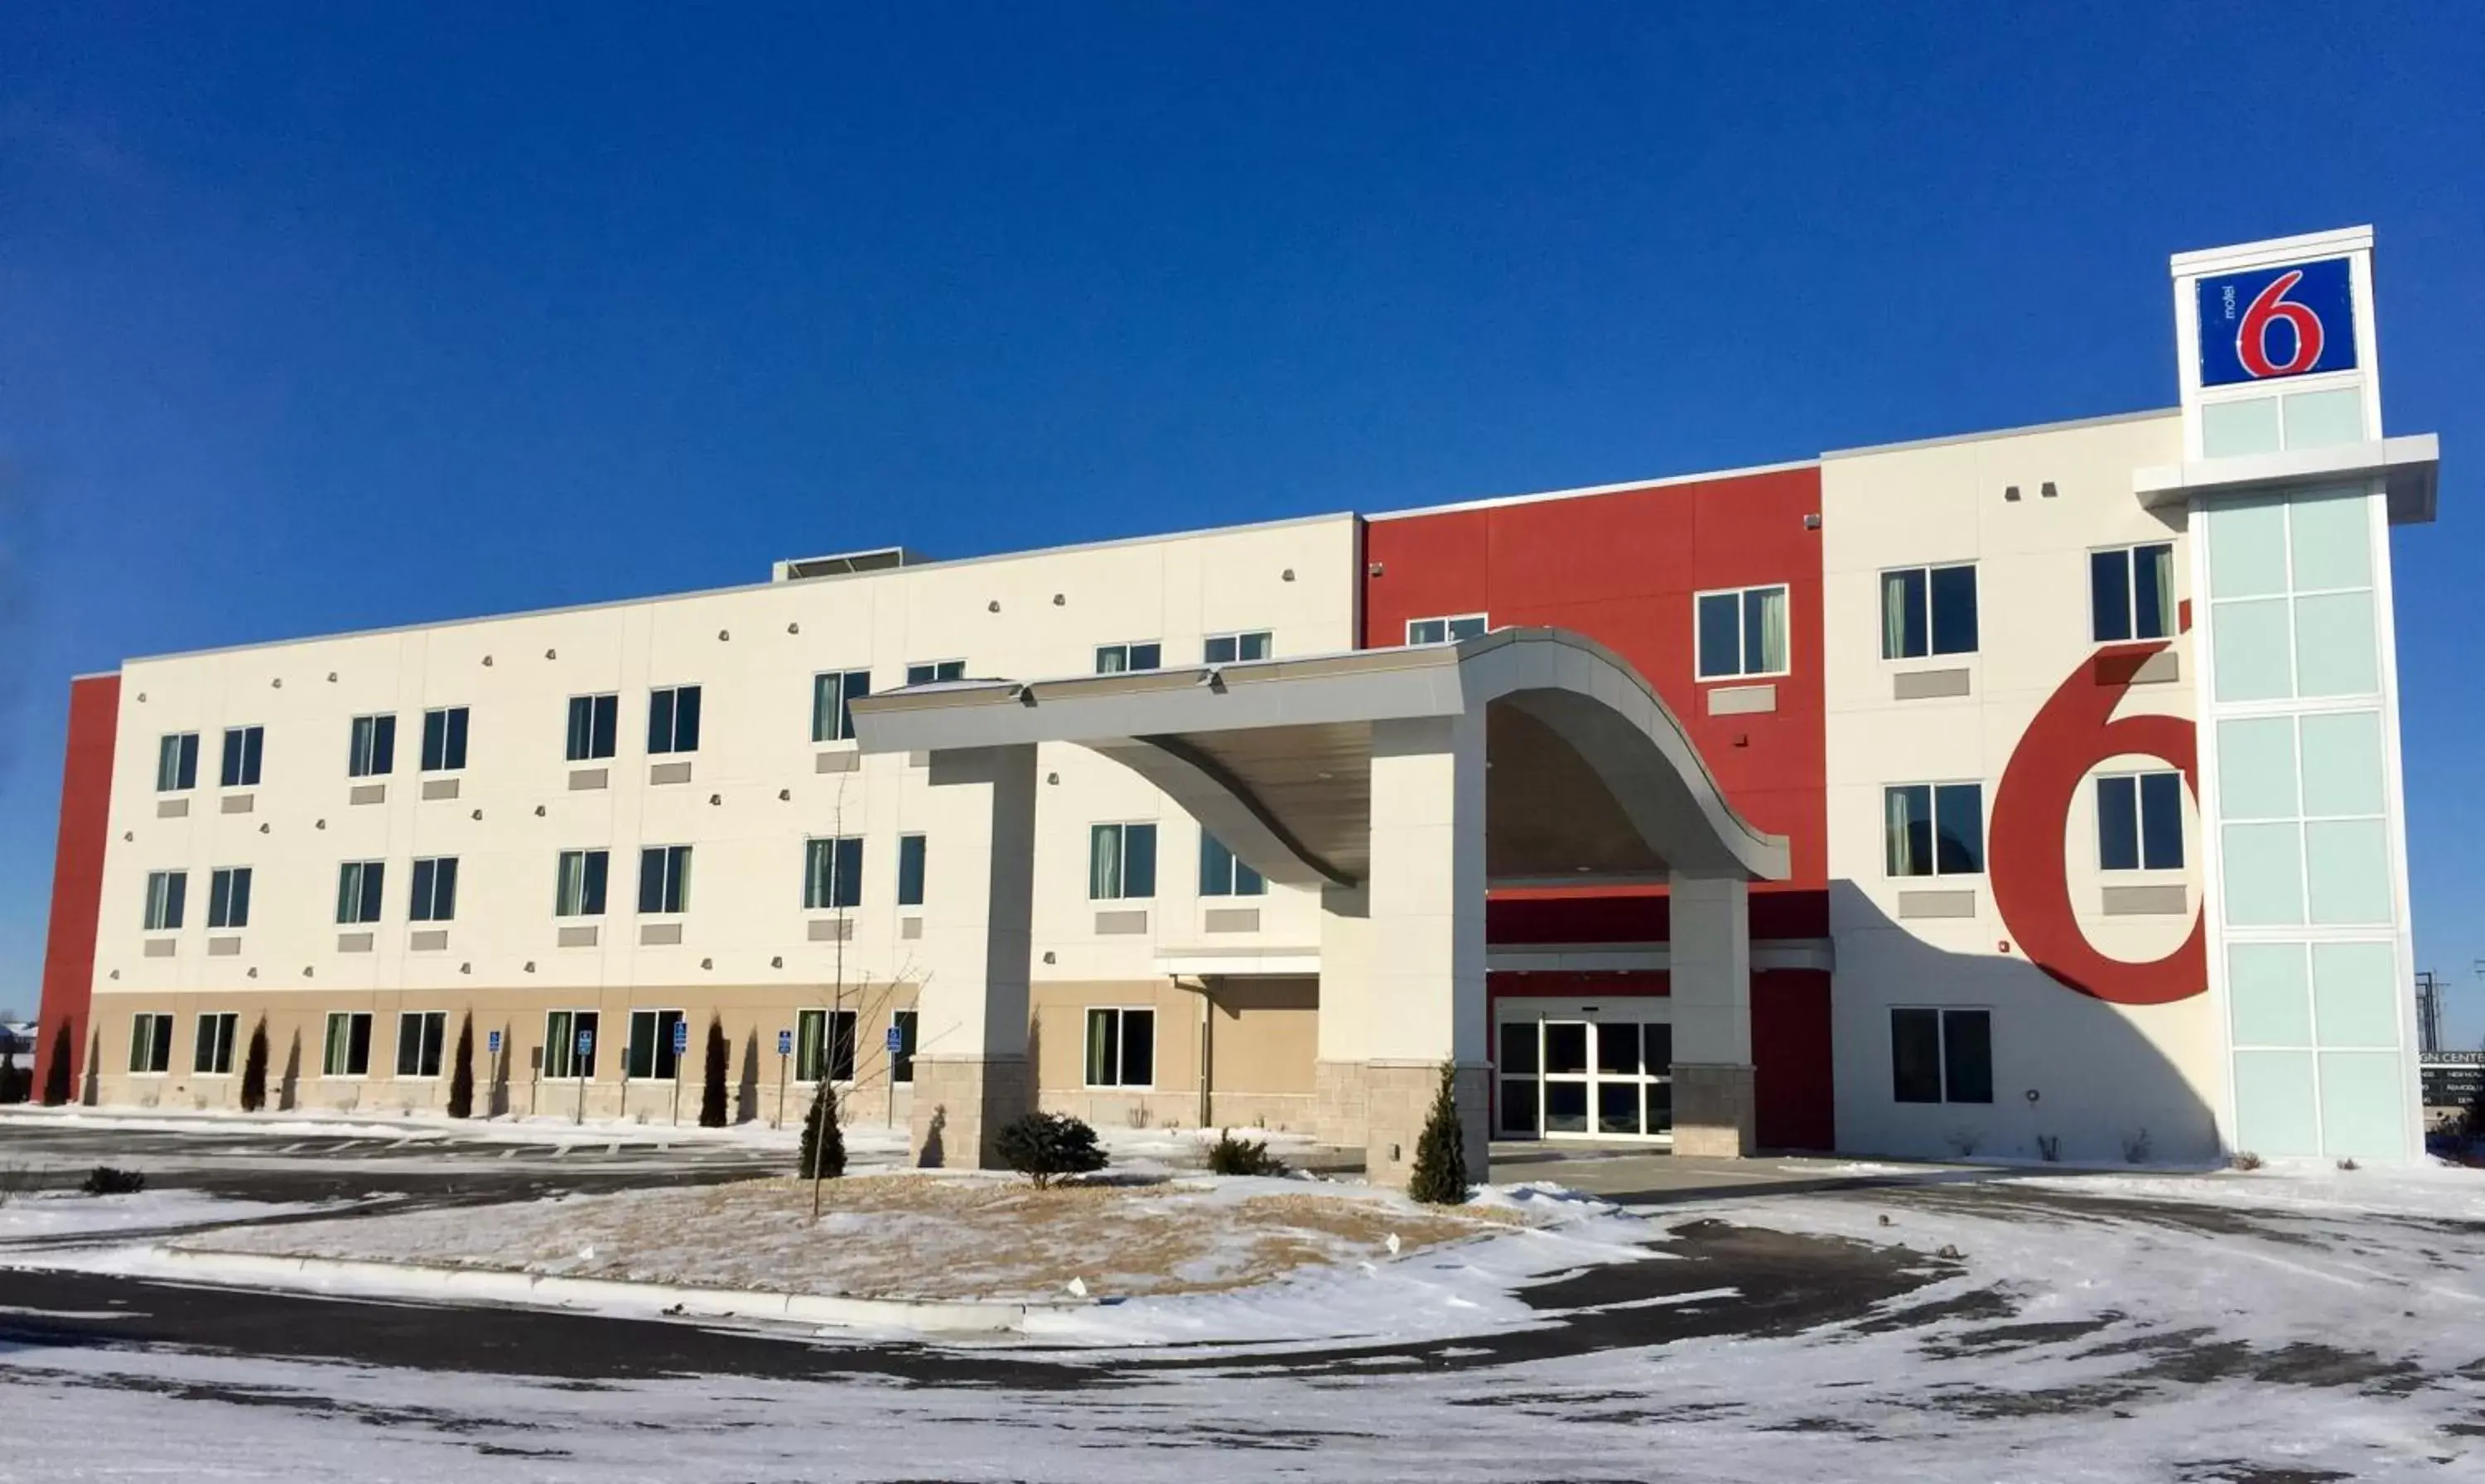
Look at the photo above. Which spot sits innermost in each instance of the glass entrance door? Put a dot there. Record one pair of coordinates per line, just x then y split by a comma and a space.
1585, 1075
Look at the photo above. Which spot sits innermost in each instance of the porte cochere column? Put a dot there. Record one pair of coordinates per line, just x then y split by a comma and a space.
1711, 940
971, 1071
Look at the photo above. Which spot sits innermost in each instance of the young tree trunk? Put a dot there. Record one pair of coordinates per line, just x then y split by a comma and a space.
462, 1082
712, 1114
254, 1069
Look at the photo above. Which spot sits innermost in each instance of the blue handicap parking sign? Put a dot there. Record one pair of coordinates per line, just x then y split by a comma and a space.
492, 1042
585, 1042
896, 1039
784, 1043
681, 1037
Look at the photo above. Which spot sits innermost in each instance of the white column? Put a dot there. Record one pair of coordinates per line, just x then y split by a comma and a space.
979, 863
1711, 945
1404, 994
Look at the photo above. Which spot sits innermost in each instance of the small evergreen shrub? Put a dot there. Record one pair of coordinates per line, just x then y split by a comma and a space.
1441, 1174
1230, 1156
822, 1154
105, 1180
461, 1081
719, 1061
1045, 1147
254, 1069
2246, 1159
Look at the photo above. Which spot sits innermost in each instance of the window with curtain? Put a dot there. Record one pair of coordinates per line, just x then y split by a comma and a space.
444, 738
1235, 648
370, 747
834, 693
166, 895
435, 890
831, 873
1743, 632
239, 767
150, 1042
664, 878
1929, 610
925, 672
1118, 659
649, 1053
2131, 592
1441, 631
594, 723
563, 1055
358, 891
824, 1038
177, 763
1934, 828
579, 888
420, 1037
348, 1048
1121, 1048
1121, 862
212, 1056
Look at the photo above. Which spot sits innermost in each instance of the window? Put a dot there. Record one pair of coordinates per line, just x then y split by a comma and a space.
349, 1049
651, 1052
1220, 874
177, 763
358, 891
664, 878
901, 1065
238, 768
910, 855
1934, 828
435, 890
925, 672
1437, 631
150, 1042
594, 721
228, 896
1235, 648
831, 873
1742, 633
673, 719
1121, 861
166, 891
2131, 592
213, 1056
1115, 659
569, 1045
1929, 610
1121, 1048
1941, 1055
444, 740
2140, 821
834, 693
419, 1035
824, 1037
372, 748
581, 889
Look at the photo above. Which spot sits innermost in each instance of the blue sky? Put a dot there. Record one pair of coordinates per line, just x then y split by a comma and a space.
324, 317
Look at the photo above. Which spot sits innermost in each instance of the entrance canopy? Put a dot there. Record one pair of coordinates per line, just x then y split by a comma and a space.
1589, 775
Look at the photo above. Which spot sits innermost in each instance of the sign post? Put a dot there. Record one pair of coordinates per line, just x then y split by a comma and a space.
681, 1046
585, 1049
492, 1056
784, 1049
896, 1043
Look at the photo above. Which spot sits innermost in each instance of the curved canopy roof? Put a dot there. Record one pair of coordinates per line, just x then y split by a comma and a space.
1588, 773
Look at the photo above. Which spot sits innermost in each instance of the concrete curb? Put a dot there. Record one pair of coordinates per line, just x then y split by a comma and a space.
541, 1290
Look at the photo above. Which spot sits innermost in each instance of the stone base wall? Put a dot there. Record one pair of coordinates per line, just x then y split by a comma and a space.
959, 1105
1380, 1108
1716, 1115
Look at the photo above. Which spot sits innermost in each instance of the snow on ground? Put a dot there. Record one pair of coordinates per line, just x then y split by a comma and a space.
33, 1218
913, 1235
2269, 1327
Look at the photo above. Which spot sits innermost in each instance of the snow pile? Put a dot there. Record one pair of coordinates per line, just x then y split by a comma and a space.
32, 1219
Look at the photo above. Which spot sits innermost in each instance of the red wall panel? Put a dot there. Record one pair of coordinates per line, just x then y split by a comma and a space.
77, 870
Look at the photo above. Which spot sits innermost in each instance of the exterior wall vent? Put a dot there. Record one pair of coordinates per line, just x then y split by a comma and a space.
847, 563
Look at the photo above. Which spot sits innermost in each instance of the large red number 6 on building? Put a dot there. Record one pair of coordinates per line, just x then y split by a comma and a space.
2269, 306
2072, 733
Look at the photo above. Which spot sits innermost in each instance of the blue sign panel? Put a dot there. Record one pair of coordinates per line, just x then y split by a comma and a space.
2277, 322
897, 1040
585, 1042
681, 1037
492, 1042
784, 1043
